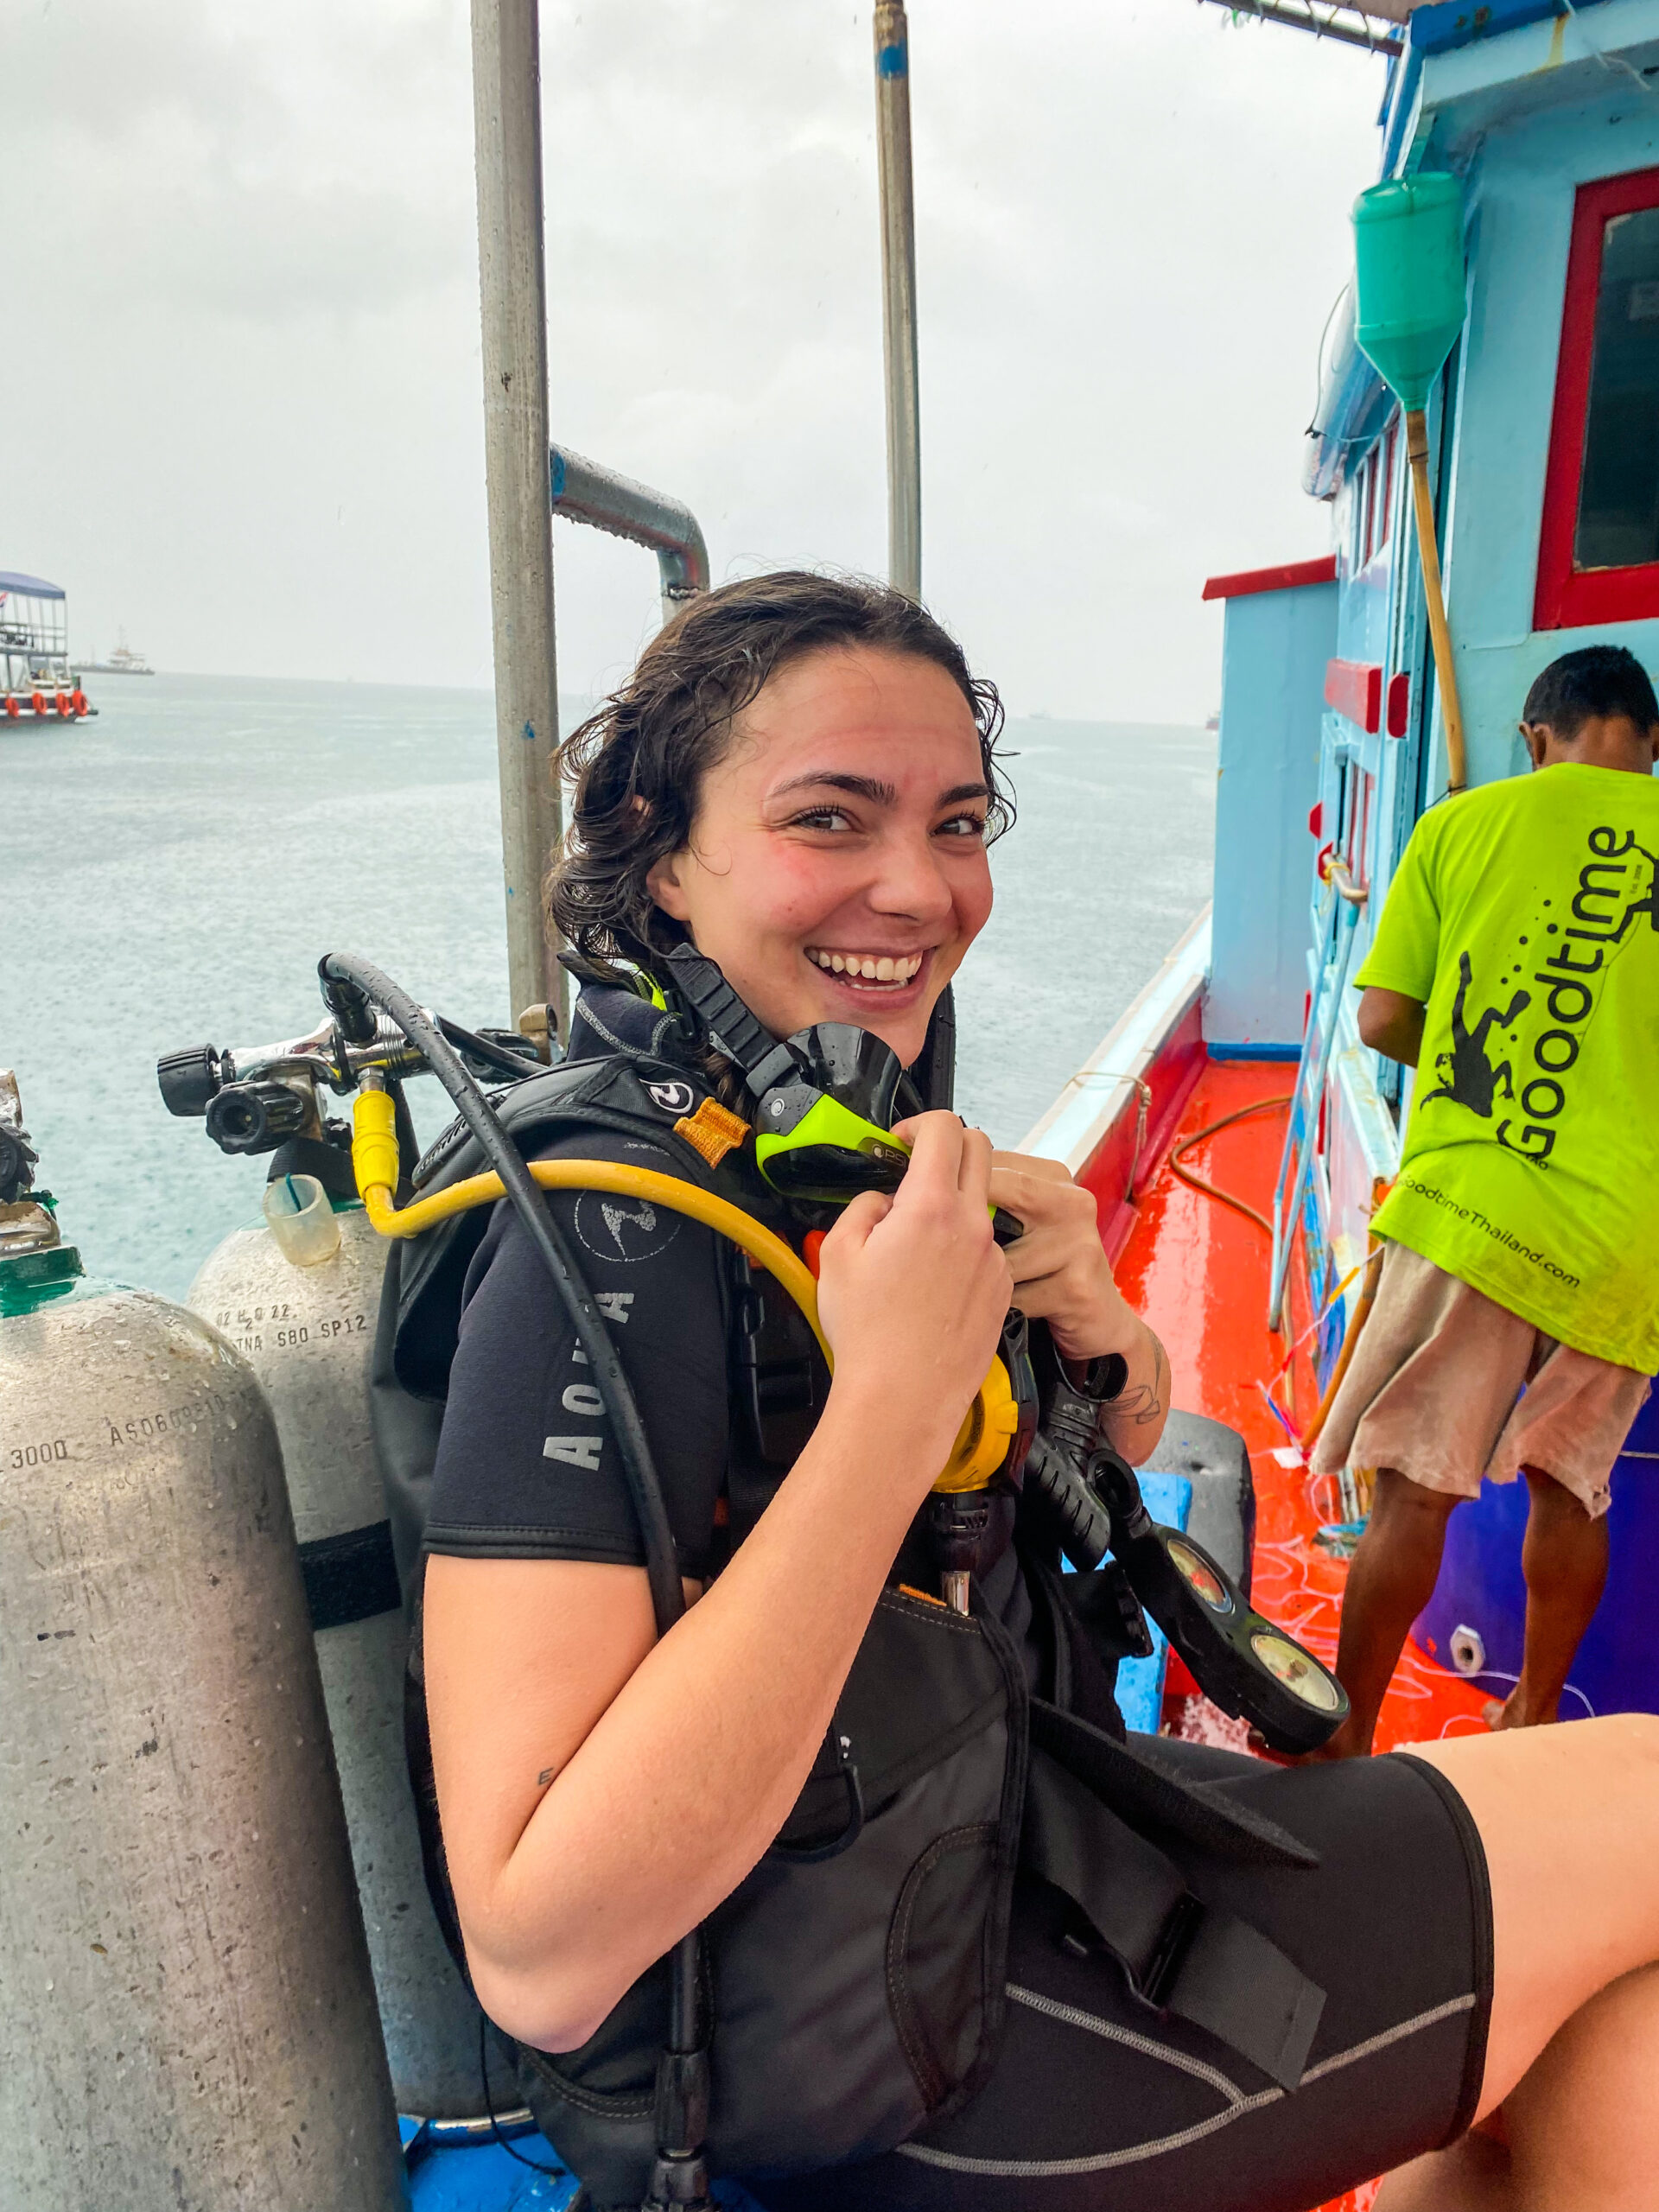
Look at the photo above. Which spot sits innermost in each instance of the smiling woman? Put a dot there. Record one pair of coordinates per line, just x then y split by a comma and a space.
840, 762
833, 875
964, 1945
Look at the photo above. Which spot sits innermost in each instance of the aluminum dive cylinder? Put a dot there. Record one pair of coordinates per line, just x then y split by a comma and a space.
307, 1331
187, 2014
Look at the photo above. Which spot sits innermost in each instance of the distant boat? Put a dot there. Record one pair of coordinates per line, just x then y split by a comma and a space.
121, 661
36, 676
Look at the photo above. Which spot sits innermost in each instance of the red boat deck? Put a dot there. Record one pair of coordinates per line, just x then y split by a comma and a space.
1197, 1272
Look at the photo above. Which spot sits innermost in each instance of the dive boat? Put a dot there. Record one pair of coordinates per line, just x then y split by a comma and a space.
37, 679
1235, 1133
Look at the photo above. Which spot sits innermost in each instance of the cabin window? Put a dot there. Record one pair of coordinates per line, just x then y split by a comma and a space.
1599, 550
1618, 489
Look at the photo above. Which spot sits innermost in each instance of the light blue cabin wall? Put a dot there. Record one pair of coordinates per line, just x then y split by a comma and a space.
1521, 198
1275, 647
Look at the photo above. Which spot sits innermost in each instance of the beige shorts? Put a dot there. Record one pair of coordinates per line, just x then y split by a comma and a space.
1435, 1390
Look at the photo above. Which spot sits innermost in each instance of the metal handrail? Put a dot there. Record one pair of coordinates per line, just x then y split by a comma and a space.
587, 493
1347, 24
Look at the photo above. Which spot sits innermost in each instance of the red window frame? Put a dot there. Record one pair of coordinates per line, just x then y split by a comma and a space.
1569, 598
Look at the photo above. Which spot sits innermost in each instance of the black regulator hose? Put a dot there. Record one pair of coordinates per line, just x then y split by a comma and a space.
662, 1561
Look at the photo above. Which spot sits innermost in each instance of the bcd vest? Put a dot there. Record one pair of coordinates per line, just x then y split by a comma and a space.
858, 1971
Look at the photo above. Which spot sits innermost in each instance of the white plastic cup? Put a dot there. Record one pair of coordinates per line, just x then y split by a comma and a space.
300, 1217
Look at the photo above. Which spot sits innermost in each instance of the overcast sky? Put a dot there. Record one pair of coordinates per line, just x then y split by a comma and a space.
242, 413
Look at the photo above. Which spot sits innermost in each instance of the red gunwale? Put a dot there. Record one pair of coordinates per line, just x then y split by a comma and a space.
1567, 597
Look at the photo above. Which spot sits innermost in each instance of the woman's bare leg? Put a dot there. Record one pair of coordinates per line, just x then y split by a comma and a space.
1569, 1820
1578, 2130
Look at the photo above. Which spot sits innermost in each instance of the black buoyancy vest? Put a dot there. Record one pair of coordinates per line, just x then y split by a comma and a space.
858, 1970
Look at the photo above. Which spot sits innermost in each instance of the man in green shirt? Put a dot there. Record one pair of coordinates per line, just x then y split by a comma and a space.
1516, 968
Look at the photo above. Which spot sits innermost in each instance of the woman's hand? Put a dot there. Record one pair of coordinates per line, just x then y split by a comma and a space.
1061, 1276
912, 1289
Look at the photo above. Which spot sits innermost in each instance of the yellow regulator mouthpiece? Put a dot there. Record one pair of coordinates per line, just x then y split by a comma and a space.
982, 1443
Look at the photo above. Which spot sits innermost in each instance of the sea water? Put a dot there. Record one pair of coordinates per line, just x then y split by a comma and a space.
170, 871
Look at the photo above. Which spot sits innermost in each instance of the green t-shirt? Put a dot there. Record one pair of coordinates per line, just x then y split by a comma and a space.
1526, 916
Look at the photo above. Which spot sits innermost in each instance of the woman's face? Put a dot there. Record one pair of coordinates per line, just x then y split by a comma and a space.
836, 867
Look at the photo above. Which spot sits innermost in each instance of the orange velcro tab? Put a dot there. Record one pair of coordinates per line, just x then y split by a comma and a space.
713, 1130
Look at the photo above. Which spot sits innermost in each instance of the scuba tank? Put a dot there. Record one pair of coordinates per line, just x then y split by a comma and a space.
297, 1295
187, 2015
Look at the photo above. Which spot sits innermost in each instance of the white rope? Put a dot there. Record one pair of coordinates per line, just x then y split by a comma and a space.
1083, 1077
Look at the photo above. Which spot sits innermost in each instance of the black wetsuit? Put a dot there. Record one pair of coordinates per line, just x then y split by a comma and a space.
1096, 2101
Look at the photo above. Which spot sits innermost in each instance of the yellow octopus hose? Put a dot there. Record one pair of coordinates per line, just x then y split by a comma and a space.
982, 1444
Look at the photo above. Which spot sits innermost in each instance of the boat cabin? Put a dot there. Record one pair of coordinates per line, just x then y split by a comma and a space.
1544, 463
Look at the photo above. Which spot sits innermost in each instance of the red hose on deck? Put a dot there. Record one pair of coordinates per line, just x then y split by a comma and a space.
1210, 1190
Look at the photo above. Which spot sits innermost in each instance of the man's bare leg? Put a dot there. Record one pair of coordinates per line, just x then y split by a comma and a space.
1565, 1560
1391, 1579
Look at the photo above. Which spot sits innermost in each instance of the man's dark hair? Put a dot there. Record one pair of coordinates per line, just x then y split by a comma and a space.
638, 764
1597, 680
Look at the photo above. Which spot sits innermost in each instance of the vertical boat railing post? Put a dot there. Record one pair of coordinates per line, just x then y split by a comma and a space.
899, 298
1288, 1150
587, 493
1346, 901
512, 284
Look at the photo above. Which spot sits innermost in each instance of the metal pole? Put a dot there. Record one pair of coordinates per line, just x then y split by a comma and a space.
507, 124
899, 298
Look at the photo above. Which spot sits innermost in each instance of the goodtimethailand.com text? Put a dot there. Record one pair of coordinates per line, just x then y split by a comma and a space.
1477, 1220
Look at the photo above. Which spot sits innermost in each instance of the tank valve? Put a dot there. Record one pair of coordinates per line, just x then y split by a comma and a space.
189, 1080
255, 1116
18, 1158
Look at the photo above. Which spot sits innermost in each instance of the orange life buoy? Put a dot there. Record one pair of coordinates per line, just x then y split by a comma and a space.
38, 703
11, 706
63, 705
78, 700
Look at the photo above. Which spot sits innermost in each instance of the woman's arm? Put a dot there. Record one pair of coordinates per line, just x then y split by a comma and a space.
1062, 1274
601, 1792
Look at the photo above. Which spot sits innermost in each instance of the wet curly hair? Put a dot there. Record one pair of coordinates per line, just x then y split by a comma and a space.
655, 739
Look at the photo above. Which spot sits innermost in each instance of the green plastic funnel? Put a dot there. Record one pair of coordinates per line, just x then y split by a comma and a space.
1410, 299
